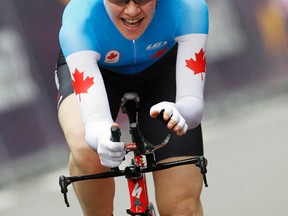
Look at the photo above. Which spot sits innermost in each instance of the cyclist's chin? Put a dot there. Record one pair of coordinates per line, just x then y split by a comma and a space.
132, 35
131, 29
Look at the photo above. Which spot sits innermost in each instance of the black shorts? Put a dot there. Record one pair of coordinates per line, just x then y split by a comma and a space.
153, 85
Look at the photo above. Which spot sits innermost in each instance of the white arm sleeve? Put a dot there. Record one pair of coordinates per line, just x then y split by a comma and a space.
190, 77
90, 91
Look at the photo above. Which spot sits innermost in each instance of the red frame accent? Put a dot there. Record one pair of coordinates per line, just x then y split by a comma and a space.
139, 201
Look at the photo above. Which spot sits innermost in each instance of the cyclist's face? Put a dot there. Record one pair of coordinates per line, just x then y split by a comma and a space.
131, 19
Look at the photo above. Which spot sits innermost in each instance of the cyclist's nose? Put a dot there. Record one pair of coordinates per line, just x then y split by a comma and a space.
132, 9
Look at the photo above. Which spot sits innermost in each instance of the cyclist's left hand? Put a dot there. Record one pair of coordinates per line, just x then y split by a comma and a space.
171, 114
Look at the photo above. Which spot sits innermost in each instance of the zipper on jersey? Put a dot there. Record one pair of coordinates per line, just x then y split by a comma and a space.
135, 50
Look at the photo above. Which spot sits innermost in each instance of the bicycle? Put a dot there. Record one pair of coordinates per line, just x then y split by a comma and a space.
143, 161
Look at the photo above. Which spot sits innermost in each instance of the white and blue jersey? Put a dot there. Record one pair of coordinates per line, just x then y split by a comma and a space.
87, 26
89, 39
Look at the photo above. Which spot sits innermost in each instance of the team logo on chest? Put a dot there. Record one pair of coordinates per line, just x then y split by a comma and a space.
156, 45
159, 47
112, 56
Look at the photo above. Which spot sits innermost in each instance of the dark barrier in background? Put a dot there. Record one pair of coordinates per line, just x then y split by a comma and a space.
28, 52
247, 44
247, 47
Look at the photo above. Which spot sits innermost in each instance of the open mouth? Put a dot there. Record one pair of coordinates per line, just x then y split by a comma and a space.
132, 23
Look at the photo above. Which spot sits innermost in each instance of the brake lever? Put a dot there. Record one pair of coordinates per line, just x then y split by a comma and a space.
165, 122
152, 148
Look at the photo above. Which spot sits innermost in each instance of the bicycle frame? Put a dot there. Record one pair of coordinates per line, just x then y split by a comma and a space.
143, 161
139, 199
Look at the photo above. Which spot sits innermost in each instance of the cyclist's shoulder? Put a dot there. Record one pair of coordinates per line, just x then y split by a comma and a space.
192, 4
192, 8
79, 23
79, 11
182, 4
180, 16
192, 17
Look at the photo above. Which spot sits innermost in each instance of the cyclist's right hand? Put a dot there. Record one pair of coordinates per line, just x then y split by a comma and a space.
111, 153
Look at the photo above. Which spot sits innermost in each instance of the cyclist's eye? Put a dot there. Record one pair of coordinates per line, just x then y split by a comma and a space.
143, 2
119, 2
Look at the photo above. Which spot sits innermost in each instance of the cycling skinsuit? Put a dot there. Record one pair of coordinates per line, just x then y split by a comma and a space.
167, 63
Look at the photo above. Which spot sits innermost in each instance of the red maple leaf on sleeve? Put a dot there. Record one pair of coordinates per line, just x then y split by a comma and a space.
80, 84
198, 66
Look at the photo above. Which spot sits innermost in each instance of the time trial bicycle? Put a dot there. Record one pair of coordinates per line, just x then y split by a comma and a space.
143, 161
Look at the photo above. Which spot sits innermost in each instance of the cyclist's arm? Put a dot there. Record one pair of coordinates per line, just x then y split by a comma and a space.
80, 48
90, 91
190, 77
191, 67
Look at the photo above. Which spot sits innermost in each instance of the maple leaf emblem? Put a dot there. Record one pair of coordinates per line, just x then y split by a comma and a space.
80, 84
112, 56
198, 66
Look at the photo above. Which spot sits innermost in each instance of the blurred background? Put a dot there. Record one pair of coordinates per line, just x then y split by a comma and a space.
245, 122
